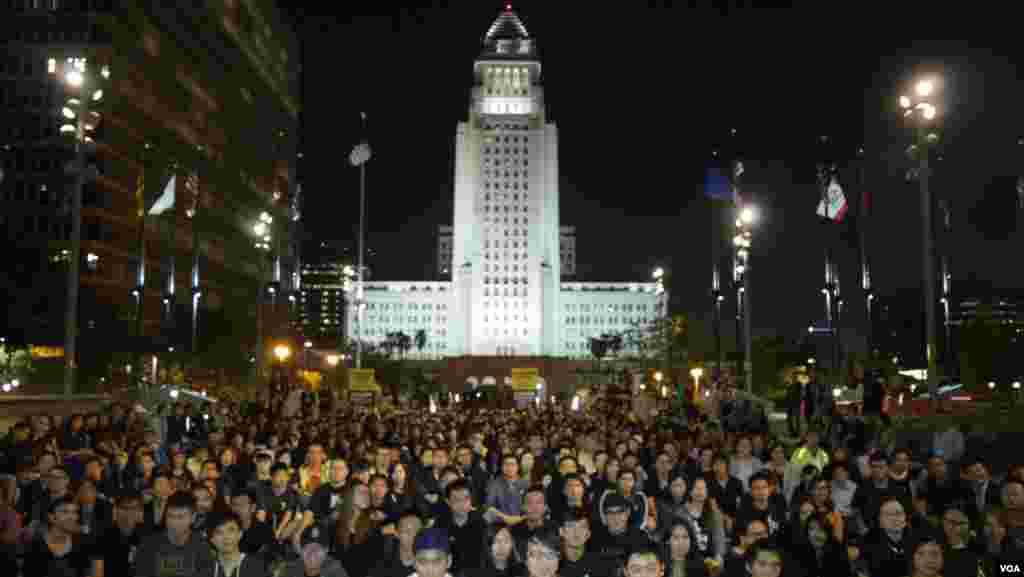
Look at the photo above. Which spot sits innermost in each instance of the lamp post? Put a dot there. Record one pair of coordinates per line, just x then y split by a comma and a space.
696, 373
359, 157
745, 220
919, 110
282, 352
261, 230
75, 75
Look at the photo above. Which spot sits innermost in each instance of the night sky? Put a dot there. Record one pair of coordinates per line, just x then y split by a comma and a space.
640, 97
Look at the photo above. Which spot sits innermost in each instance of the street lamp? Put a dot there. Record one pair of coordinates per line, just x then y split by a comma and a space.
359, 156
746, 218
696, 373
920, 111
75, 74
282, 352
305, 354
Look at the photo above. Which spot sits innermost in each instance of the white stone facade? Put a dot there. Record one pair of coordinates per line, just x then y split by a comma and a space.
506, 251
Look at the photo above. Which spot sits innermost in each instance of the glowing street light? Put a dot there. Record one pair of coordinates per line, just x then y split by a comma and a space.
920, 109
282, 352
333, 360
658, 273
1016, 385
658, 376
991, 385
748, 215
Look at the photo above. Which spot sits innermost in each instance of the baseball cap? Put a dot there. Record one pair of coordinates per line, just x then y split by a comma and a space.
615, 503
432, 540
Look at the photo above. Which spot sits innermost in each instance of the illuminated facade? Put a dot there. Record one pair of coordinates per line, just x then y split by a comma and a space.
510, 259
187, 81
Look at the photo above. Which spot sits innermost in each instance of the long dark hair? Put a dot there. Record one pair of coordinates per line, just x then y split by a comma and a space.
487, 552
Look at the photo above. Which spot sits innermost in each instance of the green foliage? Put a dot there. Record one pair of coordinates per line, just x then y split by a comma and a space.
15, 363
772, 355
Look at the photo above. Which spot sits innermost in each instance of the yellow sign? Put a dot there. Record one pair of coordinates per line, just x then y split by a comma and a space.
362, 381
525, 379
39, 352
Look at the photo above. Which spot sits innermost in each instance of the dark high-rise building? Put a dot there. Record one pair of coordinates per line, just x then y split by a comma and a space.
201, 106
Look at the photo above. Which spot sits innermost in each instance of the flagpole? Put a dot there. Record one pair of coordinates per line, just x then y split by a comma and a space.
863, 211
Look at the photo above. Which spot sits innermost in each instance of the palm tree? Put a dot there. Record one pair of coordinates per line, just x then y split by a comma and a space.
403, 343
421, 341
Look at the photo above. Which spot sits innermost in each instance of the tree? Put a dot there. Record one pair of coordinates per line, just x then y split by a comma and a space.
15, 363
421, 340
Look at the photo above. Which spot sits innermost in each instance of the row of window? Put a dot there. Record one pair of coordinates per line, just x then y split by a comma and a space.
505, 292
507, 303
506, 318
505, 150
503, 258
496, 186
505, 332
383, 332
498, 244
603, 321
411, 319
407, 306
507, 162
626, 308
504, 279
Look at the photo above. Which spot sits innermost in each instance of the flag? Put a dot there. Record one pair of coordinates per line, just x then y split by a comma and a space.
834, 205
166, 200
716, 185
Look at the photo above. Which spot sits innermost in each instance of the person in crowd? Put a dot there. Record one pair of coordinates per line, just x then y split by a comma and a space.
726, 489
536, 517
505, 494
748, 533
402, 561
58, 549
543, 552
226, 537
176, 551
402, 493
759, 505
314, 562
767, 558
499, 556
328, 497
464, 526
842, 488
927, 559
433, 554
118, 544
869, 495
257, 536
819, 547
682, 557
744, 463
617, 537
886, 547
959, 549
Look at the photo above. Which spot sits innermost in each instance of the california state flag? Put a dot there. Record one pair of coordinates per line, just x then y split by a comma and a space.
834, 205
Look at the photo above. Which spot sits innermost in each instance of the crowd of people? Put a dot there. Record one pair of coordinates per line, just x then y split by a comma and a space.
288, 487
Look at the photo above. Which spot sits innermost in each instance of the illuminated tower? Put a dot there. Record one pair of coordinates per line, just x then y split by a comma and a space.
505, 254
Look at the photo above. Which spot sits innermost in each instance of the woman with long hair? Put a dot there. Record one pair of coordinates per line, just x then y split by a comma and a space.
819, 546
500, 555
682, 559
402, 495
709, 531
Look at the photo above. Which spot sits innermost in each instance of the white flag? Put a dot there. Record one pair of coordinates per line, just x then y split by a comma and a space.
834, 205
166, 200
